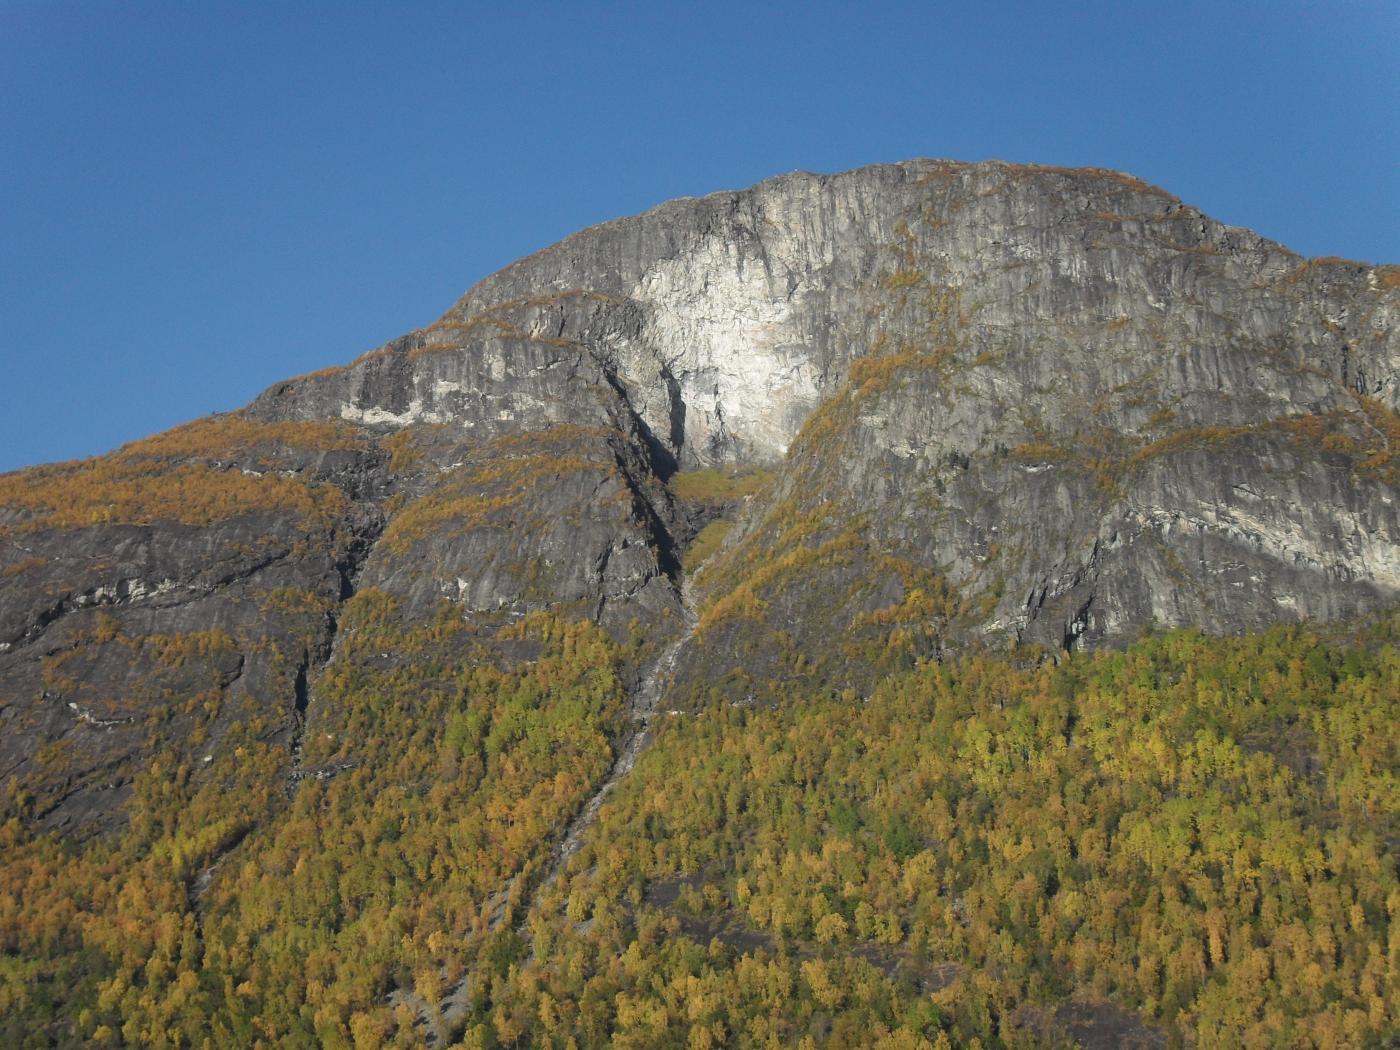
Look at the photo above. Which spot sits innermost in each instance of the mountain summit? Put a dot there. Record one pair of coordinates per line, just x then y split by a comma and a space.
746, 449
999, 404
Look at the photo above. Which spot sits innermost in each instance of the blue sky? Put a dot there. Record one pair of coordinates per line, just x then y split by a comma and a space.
200, 199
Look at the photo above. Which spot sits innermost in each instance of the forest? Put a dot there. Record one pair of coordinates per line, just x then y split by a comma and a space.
1193, 839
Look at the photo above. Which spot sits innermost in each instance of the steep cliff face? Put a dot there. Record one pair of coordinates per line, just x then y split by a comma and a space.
729, 318
1073, 400
1003, 404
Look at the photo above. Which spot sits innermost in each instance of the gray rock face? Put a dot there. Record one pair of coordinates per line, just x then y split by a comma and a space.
1081, 317
729, 318
1007, 404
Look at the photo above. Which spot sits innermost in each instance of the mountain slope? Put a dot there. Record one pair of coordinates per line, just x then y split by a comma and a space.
396, 612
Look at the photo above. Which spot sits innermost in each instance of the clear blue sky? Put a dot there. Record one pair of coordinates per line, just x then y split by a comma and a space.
199, 199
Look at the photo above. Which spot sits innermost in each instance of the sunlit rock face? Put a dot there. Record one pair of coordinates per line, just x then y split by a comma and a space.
728, 318
1001, 404
1070, 366
725, 319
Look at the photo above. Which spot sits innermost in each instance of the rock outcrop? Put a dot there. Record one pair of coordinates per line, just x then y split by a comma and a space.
1003, 405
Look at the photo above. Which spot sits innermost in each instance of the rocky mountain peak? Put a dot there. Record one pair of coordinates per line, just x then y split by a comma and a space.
992, 404
727, 319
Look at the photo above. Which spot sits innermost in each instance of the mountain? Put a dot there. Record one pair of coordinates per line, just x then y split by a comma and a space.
338, 716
